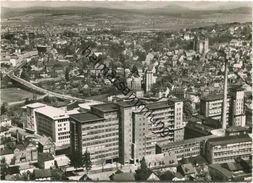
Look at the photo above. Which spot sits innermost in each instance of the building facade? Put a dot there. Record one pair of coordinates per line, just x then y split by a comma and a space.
97, 132
211, 106
183, 149
53, 122
201, 45
225, 149
136, 129
237, 111
149, 80
143, 141
31, 122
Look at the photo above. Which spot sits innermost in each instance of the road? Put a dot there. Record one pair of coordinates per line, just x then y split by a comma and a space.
22, 60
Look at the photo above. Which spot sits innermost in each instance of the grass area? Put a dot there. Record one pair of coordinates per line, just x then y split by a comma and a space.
14, 94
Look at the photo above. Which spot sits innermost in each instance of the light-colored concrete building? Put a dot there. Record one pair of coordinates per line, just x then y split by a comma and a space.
211, 106
225, 149
31, 122
183, 149
53, 122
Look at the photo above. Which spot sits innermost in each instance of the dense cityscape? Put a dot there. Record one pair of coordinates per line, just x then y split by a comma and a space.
167, 105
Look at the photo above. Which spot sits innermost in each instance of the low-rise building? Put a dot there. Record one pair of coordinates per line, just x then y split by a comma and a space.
46, 145
43, 174
183, 149
225, 149
26, 153
46, 161
163, 160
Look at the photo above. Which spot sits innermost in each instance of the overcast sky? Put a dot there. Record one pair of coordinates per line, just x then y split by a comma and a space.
128, 5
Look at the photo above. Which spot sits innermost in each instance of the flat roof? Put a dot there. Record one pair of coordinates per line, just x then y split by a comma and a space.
85, 117
229, 139
125, 104
108, 107
214, 97
36, 105
222, 170
159, 105
52, 112
88, 104
182, 142
236, 129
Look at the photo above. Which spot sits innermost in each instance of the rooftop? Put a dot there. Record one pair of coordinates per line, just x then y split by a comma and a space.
229, 140
183, 142
42, 173
125, 104
158, 105
35, 105
45, 156
88, 104
85, 117
123, 177
222, 170
52, 112
236, 129
188, 168
213, 97
108, 107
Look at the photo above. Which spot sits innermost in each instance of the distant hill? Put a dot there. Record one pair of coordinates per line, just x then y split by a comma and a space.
173, 10
172, 17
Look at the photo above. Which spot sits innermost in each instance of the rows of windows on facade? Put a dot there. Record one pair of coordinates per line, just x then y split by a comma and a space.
121, 132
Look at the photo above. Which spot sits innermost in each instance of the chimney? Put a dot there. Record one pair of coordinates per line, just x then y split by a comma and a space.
224, 109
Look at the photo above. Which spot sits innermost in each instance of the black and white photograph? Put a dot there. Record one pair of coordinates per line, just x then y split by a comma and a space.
126, 91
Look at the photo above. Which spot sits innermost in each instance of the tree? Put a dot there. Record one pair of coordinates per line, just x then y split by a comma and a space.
67, 74
143, 172
168, 175
3, 168
13, 160
4, 108
86, 161
135, 71
144, 164
58, 175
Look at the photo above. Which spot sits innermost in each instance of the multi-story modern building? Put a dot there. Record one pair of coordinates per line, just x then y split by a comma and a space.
225, 149
126, 110
211, 106
123, 131
170, 113
30, 123
134, 83
53, 122
143, 140
237, 110
136, 130
201, 45
149, 80
98, 132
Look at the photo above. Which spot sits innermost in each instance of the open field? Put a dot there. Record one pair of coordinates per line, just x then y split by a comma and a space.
14, 94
